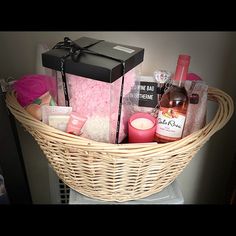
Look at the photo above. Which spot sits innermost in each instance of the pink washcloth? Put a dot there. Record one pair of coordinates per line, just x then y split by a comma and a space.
30, 87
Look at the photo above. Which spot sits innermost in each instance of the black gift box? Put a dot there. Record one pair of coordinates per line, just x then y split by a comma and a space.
94, 66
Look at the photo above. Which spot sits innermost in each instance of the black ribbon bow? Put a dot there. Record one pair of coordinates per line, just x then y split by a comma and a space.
74, 51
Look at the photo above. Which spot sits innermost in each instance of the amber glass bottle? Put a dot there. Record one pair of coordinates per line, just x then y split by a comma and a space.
173, 105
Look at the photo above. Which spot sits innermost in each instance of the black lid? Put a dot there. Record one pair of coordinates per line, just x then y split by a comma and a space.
94, 66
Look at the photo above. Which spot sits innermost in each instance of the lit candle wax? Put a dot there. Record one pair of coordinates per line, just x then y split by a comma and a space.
142, 123
141, 128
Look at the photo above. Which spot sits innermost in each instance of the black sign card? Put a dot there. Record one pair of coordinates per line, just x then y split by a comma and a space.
147, 94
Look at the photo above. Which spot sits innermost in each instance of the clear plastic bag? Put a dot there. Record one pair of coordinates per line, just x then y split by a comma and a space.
197, 108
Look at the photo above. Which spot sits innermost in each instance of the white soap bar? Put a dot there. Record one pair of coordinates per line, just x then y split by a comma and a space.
59, 121
54, 110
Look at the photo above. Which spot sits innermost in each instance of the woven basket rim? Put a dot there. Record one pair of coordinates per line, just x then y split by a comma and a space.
15, 107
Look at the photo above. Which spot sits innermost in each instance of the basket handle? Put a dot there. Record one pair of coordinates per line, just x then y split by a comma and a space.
225, 109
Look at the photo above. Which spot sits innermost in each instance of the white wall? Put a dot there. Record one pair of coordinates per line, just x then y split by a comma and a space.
213, 57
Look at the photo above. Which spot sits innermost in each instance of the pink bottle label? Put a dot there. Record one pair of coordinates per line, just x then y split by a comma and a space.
170, 123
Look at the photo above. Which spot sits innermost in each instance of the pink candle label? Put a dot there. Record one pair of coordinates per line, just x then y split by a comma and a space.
142, 123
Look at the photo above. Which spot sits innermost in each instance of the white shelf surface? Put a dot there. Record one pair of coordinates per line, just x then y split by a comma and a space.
169, 195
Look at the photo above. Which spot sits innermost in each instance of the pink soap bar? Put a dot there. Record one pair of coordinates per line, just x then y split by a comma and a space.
75, 123
35, 107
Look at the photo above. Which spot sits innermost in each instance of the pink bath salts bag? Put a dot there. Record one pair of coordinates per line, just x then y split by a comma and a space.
99, 102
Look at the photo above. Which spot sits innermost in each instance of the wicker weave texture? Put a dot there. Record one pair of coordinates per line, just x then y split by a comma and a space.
119, 172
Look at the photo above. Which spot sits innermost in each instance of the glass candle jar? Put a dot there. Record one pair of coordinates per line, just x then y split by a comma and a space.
141, 128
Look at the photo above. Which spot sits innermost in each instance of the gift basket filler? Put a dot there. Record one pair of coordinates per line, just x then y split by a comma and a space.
109, 132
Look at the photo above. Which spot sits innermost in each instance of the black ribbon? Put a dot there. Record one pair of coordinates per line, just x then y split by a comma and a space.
74, 51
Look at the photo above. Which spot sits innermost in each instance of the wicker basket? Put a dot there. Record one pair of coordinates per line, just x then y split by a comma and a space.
119, 172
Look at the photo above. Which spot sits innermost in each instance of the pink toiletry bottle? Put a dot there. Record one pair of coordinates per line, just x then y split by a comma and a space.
75, 123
